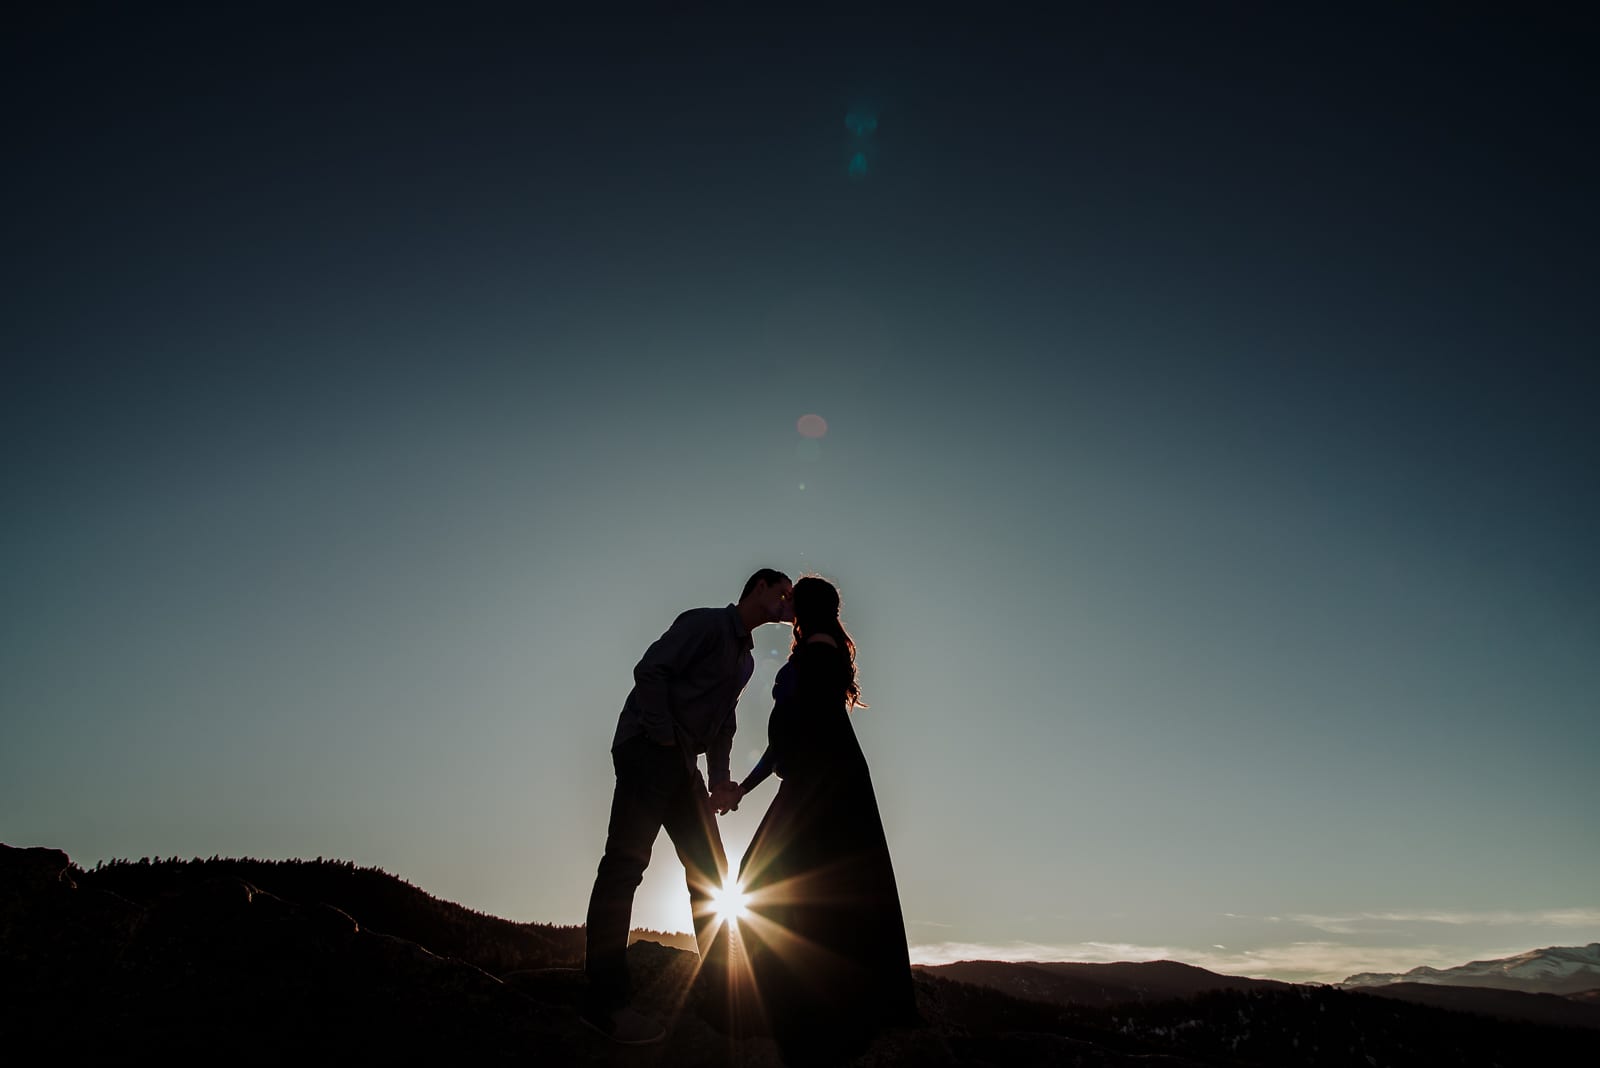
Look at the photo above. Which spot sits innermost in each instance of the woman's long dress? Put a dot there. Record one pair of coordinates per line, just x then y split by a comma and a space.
826, 941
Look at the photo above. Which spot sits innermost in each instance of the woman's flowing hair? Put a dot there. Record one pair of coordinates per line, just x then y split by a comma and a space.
816, 611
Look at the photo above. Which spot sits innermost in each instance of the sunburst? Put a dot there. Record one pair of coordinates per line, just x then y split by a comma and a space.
730, 902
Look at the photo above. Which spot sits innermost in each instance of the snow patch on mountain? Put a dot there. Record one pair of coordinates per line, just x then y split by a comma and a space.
1552, 970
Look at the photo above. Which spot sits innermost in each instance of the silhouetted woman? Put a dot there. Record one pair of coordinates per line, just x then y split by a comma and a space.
826, 941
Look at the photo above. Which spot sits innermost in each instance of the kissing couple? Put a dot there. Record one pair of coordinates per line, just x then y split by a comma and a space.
824, 938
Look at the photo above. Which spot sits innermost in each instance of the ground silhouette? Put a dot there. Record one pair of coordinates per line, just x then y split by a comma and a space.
262, 962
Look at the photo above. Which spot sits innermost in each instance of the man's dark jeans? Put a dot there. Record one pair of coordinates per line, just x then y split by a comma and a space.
655, 789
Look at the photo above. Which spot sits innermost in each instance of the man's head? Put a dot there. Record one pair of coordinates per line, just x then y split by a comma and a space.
768, 597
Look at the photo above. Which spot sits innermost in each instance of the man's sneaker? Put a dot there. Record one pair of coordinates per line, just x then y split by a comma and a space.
625, 1026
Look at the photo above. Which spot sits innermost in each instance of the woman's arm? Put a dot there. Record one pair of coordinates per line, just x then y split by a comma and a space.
759, 773
782, 688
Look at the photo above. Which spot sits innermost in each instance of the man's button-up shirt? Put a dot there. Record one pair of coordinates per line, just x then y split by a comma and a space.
687, 684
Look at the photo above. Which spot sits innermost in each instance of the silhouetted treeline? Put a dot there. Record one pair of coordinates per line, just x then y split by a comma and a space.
676, 939
1301, 1027
1322, 1026
371, 896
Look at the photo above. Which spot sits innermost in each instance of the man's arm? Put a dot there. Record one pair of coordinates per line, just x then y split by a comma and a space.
724, 791
720, 751
667, 656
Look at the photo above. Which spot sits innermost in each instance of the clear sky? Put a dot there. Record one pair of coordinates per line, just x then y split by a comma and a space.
1210, 473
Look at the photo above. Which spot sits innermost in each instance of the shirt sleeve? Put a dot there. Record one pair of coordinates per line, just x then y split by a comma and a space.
721, 750
666, 658
759, 773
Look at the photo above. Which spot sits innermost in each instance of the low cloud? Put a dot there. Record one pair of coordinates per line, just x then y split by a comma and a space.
1430, 937
1327, 962
1363, 922
1296, 962
1096, 952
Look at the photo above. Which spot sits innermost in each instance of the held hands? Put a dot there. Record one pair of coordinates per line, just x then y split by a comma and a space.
725, 797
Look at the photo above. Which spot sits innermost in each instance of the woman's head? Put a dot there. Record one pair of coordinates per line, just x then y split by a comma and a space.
816, 604
816, 611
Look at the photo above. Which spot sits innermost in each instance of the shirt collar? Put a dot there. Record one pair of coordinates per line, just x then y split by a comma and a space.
745, 639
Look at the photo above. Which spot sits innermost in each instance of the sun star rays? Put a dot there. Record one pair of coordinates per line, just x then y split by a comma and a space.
755, 921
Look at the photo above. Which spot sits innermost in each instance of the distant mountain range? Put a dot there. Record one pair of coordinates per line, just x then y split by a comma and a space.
1096, 984
1552, 970
1557, 985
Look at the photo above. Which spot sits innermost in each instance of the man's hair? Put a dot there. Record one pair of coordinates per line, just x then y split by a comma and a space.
767, 575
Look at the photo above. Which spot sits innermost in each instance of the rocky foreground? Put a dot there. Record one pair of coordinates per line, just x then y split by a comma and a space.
191, 959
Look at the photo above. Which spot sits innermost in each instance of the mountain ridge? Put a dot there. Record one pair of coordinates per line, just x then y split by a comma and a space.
1123, 982
1550, 970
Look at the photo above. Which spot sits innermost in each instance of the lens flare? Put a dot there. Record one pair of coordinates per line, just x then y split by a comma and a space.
861, 123
811, 426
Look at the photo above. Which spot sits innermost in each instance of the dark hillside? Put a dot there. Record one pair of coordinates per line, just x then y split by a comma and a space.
1095, 984
1322, 1026
194, 961
1570, 1010
372, 897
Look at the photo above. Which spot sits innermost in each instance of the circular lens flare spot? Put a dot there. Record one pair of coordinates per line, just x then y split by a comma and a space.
730, 902
812, 426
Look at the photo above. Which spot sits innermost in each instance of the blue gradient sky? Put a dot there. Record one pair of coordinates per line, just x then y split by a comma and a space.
1210, 475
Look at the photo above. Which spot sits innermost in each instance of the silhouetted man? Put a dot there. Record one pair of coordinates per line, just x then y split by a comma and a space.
682, 704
